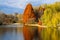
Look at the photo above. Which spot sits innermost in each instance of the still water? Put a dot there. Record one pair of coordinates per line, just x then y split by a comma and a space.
11, 33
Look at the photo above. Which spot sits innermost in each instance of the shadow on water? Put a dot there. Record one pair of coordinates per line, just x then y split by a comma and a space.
11, 33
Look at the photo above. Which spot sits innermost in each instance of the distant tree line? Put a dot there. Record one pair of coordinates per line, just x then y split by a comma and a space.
7, 19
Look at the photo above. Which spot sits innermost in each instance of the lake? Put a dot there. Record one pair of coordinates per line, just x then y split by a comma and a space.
11, 32
14, 32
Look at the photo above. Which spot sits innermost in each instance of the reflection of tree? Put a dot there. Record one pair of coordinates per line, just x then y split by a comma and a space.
2, 31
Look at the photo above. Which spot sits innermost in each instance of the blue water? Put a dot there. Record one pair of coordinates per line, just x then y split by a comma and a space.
11, 34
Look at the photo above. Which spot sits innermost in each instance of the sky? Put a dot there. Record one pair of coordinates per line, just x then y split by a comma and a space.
22, 3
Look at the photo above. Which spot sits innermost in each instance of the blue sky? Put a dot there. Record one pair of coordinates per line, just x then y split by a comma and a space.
21, 4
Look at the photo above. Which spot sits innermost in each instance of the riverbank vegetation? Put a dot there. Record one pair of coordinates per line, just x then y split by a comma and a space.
51, 19
51, 15
9, 18
49, 10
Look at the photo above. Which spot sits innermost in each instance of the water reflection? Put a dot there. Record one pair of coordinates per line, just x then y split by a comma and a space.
11, 33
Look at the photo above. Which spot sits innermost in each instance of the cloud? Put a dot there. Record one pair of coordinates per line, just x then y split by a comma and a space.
58, 0
49, 1
18, 3
14, 3
22, 3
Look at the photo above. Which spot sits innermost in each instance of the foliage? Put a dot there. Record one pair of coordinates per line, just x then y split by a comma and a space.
51, 15
51, 19
7, 19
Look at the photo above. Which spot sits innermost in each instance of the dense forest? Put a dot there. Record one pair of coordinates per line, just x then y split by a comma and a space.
51, 19
51, 14
10, 18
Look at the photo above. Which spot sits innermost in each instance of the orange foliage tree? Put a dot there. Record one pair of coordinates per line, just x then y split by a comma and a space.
28, 14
